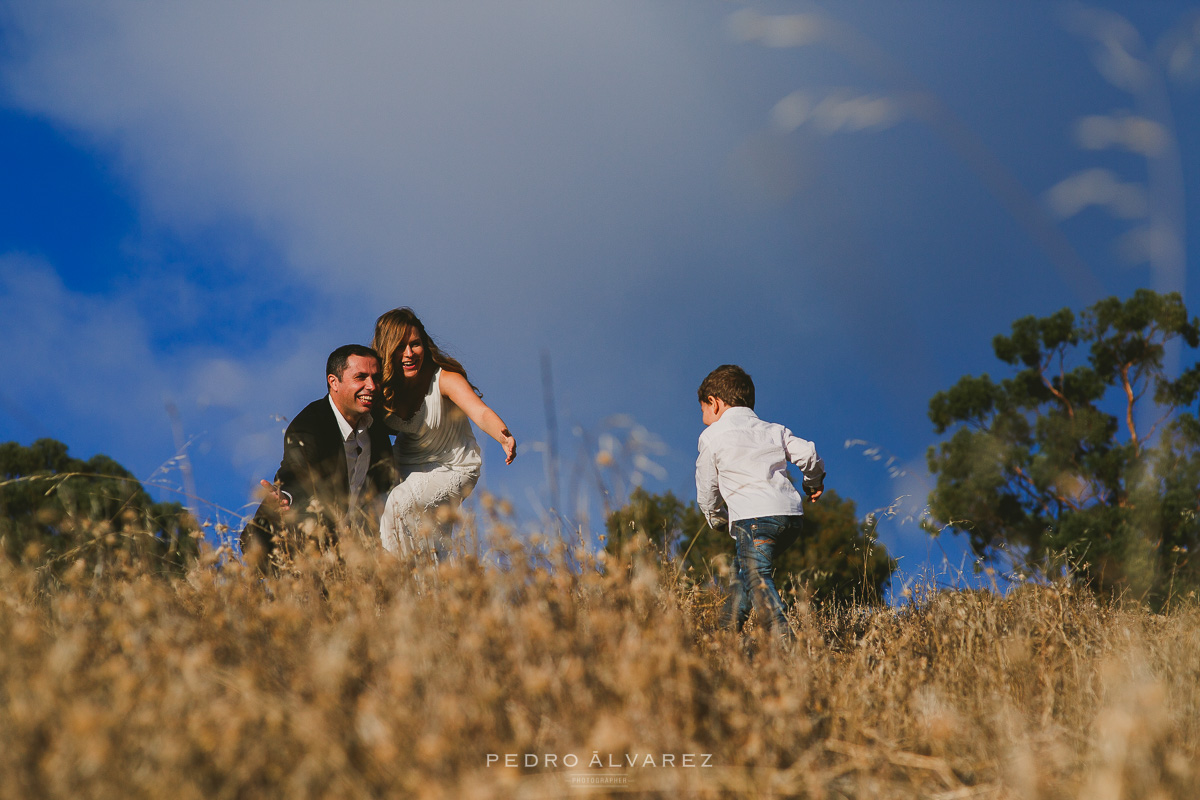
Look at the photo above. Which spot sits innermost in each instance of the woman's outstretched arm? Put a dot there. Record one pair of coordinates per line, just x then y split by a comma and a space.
456, 389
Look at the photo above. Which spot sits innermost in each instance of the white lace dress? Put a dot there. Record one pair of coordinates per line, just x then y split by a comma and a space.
438, 461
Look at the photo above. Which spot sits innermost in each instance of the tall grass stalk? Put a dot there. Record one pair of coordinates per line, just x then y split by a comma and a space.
360, 676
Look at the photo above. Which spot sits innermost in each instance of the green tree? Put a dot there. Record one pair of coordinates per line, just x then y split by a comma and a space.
55, 510
1089, 451
838, 557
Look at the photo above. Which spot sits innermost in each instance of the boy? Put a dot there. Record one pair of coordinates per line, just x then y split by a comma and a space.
743, 466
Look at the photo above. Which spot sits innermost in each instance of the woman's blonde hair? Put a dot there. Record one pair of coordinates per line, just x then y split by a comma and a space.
392, 330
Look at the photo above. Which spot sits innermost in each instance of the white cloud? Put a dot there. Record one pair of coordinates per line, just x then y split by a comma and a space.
519, 173
83, 369
221, 382
789, 30
1099, 187
405, 146
525, 174
841, 110
1115, 40
1151, 243
69, 354
1137, 134
513, 171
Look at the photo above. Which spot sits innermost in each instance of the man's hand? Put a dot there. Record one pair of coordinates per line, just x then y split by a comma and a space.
815, 494
281, 497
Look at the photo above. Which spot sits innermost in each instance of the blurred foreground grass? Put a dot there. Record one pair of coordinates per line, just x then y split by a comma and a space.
367, 677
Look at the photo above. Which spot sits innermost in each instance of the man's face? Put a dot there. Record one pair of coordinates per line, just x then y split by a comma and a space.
354, 392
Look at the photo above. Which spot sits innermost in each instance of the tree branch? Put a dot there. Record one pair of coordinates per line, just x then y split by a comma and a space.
1130, 399
1028, 485
1050, 385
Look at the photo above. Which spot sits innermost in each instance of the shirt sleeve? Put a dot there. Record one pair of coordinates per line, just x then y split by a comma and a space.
803, 454
708, 493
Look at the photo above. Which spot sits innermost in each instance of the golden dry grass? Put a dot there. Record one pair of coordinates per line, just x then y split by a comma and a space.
367, 677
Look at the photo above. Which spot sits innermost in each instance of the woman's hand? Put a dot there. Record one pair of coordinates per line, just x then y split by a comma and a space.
456, 389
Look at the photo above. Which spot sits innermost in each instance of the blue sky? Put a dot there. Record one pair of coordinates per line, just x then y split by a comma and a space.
200, 201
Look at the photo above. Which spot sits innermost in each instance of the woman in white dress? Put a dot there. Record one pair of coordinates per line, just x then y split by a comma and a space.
430, 404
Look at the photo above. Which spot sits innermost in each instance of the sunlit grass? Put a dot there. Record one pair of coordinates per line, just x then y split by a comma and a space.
366, 676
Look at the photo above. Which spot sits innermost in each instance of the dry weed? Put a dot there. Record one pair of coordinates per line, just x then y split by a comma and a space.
362, 676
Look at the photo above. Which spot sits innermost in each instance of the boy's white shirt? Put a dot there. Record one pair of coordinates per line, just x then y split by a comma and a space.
743, 466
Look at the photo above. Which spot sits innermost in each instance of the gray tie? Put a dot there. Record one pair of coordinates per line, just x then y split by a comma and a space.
359, 475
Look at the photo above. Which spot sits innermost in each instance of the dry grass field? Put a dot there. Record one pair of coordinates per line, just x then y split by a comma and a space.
362, 676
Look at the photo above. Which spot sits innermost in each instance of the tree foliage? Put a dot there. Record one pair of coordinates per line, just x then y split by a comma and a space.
838, 557
1089, 450
57, 510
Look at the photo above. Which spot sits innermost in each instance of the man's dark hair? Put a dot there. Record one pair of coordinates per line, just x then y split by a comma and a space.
730, 383
335, 365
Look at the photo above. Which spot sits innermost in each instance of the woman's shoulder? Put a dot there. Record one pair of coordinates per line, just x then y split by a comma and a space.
450, 382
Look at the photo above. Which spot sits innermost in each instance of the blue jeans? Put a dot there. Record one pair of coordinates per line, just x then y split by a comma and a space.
760, 540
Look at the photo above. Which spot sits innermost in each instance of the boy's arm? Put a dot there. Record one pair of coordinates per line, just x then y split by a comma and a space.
708, 494
803, 454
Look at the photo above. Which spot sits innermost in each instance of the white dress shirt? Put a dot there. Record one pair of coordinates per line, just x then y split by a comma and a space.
743, 462
358, 450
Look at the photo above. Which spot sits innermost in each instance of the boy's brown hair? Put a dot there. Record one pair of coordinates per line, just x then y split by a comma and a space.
730, 383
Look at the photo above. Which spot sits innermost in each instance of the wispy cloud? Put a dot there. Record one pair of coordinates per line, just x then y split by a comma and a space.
75, 358
406, 146
85, 370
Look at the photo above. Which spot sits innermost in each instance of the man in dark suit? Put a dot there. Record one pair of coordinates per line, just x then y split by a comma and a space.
337, 465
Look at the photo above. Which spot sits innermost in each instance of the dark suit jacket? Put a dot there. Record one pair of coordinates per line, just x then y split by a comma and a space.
313, 471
